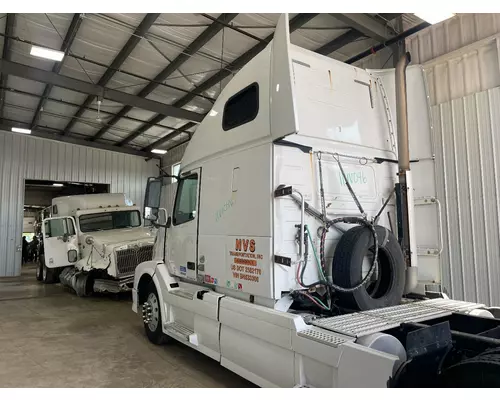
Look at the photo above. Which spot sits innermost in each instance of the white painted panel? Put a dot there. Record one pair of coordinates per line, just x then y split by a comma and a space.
461, 60
450, 35
25, 157
467, 139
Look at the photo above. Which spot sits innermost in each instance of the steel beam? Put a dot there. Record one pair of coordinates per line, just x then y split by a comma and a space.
195, 46
9, 29
49, 77
234, 28
74, 105
295, 23
339, 42
65, 47
367, 25
7, 125
374, 49
170, 136
133, 41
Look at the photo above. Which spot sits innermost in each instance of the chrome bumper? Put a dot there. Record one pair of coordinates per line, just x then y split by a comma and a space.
112, 286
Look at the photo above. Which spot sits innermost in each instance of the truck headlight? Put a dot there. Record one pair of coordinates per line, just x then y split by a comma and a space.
72, 256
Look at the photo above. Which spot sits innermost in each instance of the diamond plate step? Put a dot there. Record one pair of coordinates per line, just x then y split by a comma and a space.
181, 332
355, 324
451, 305
413, 312
366, 322
325, 337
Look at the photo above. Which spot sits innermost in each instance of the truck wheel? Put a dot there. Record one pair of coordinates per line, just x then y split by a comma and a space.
151, 316
47, 274
387, 289
39, 268
83, 285
478, 372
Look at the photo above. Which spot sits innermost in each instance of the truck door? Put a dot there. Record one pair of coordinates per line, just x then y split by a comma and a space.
182, 239
60, 242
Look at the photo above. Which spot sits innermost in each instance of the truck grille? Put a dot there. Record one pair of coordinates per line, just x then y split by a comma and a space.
128, 259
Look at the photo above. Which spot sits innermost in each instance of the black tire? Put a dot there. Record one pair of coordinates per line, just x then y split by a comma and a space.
353, 246
39, 268
48, 274
482, 371
84, 286
155, 333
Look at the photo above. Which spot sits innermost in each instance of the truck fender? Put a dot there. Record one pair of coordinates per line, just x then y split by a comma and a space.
143, 274
157, 272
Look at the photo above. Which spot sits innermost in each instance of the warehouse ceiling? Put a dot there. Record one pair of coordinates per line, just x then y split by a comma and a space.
137, 82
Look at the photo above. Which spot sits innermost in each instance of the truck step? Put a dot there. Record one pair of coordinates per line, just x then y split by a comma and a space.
325, 337
186, 294
363, 323
181, 332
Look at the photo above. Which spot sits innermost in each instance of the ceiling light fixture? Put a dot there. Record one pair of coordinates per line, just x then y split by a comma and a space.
49, 54
57, 184
21, 130
434, 17
159, 151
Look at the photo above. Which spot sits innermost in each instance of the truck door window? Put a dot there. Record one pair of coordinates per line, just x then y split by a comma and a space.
241, 108
58, 227
185, 200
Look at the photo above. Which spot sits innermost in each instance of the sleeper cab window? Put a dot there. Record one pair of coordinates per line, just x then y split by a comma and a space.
186, 200
241, 108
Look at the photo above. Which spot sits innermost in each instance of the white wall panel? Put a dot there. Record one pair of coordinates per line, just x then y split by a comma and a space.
467, 133
25, 157
461, 57
450, 35
464, 72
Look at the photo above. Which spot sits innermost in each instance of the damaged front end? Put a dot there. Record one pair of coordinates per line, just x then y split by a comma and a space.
106, 267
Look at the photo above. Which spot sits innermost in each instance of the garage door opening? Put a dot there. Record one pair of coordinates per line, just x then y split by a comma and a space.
38, 195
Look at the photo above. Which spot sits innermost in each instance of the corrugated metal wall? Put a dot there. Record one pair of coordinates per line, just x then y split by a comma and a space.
467, 133
461, 61
450, 35
25, 157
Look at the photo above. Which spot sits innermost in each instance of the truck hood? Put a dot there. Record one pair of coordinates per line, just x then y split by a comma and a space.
120, 236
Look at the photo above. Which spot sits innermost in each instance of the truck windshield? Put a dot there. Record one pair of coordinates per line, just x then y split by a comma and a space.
109, 220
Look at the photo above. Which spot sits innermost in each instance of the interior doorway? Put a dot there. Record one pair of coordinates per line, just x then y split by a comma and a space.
38, 195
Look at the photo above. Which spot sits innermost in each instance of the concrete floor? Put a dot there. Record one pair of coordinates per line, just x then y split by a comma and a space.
49, 337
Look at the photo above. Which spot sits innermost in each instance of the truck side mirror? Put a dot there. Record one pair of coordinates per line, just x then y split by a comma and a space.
152, 199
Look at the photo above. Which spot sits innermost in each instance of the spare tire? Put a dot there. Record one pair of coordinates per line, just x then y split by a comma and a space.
387, 289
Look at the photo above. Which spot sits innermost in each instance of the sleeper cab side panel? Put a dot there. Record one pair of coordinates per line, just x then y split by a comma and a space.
234, 244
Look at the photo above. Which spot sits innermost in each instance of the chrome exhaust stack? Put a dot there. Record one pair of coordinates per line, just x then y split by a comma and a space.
406, 230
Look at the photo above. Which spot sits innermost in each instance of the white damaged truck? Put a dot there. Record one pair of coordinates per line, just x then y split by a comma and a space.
93, 243
297, 251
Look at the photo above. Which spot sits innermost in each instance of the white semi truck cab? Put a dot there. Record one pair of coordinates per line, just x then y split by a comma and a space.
93, 242
294, 253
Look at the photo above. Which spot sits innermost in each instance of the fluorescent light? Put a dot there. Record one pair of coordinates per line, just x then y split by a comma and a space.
159, 151
47, 53
434, 17
57, 184
21, 130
